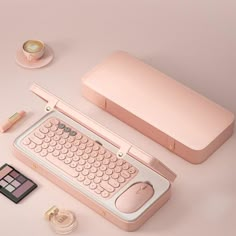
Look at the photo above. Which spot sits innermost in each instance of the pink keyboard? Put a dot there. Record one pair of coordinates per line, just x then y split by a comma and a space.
95, 168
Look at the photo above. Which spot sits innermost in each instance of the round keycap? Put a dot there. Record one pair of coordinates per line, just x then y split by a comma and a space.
62, 157
91, 176
51, 149
113, 158
87, 166
56, 153
76, 158
78, 136
62, 141
90, 143
68, 160
101, 151
76, 142
79, 168
105, 177
92, 186
120, 162
96, 147
96, 164
59, 131
79, 152
121, 179
53, 143
54, 128
73, 133
73, 164
26, 141
93, 169
56, 137
112, 165
87, 182
88, 150
71, 139
118, 169
103, 167
44, 130
94, 154
100, 157
55, 121
47, 140
65, 135
43, 153
32, 145
38, 149
68, 145
84, 140
81, 178
107, 154
39, 135
51, 134
64, 150
106, 161
58, 147
132, 170
113, 183
91, 160
81, 161
70, 154
67, 129
97, 180
85, 172
45, 145
126, 166
125, 174
61, 126
109, 172
82, 146
99, 173
105, 194
48, 124
115, 175
85, 156
74, 149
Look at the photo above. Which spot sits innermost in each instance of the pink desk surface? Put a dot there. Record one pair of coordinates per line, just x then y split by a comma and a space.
192, 42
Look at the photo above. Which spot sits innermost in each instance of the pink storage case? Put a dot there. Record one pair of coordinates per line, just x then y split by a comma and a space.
158, 168
163, 109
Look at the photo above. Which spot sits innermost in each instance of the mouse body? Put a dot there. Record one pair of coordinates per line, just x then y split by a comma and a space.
134, 197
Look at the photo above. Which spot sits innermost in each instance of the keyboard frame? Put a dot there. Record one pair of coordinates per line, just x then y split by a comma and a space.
105, 207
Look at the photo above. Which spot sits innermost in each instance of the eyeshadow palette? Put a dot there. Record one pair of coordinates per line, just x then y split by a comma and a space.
13, 184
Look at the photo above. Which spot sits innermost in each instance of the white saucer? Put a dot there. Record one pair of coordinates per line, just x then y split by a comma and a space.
43, 61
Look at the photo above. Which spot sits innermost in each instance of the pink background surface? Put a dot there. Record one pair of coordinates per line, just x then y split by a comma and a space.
192, 42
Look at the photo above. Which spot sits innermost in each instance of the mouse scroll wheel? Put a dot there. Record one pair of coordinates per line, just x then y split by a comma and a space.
141, 188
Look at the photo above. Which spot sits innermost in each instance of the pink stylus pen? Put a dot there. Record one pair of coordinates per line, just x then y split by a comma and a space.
11, 121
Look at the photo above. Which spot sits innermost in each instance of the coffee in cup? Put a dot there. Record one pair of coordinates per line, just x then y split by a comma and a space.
33, 49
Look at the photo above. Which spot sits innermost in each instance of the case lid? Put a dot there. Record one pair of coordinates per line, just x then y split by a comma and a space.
124, 147
167, 105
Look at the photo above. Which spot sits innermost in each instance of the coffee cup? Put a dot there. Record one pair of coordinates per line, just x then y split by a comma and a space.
33, 49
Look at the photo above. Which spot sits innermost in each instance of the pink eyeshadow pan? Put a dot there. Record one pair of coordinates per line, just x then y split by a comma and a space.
23, 188
21, 179
14, 174
5, 171
15, 183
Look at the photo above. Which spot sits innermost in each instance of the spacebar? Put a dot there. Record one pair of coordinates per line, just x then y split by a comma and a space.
61, 165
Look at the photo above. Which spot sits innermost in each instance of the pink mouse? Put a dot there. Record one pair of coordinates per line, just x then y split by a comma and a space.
134, 197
